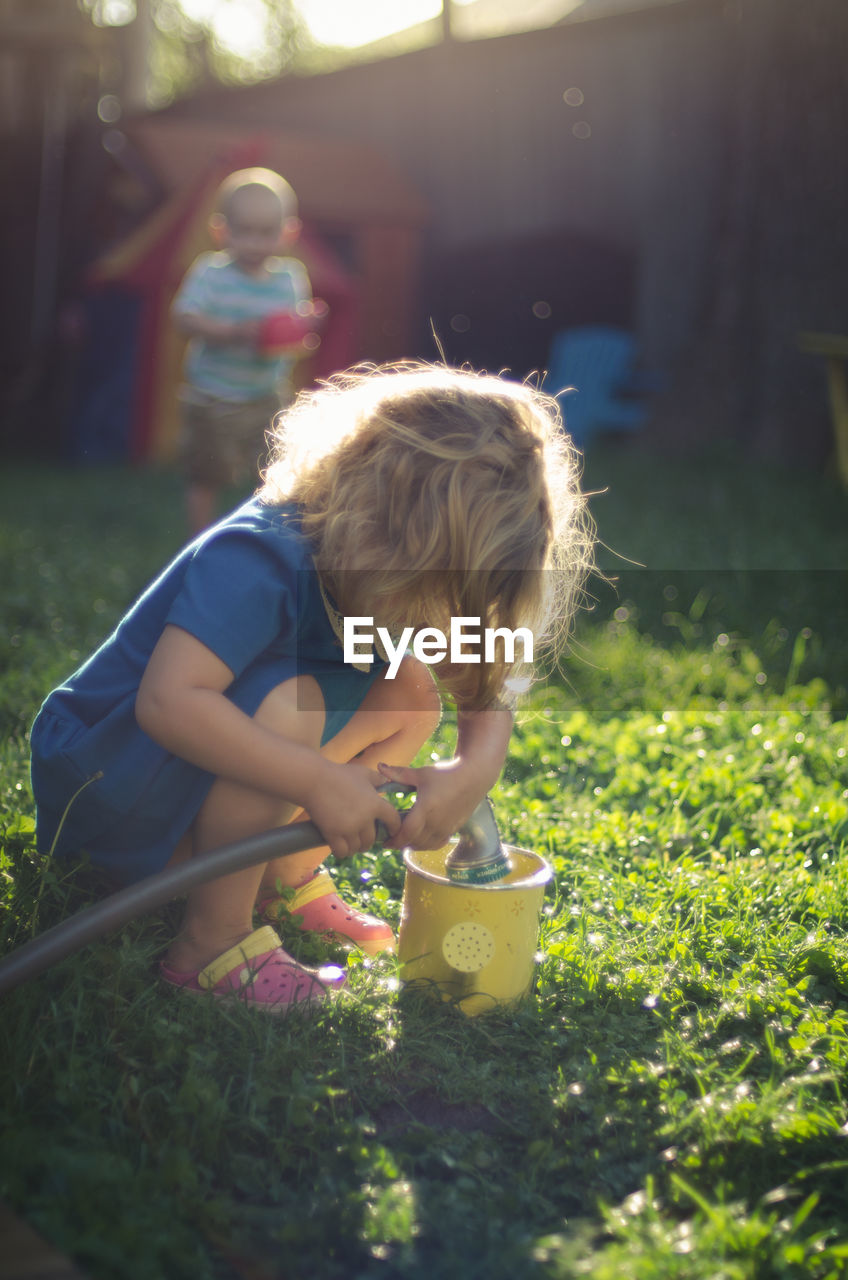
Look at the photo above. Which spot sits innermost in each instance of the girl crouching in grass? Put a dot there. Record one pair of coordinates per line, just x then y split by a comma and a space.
222, 705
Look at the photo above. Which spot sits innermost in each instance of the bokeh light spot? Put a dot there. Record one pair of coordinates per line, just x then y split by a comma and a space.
109, 108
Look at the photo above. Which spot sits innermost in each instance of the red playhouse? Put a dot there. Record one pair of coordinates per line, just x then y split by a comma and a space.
360, 245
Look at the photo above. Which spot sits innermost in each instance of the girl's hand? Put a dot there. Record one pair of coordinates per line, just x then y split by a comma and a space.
447, 795
449, 792
344, 804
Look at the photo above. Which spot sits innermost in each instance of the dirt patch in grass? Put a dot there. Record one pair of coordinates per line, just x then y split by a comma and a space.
428, 1109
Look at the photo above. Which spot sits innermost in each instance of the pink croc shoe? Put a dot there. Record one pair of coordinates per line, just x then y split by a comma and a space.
316, 907
260, 973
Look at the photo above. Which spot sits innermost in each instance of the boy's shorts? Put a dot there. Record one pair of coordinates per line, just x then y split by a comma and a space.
223, 441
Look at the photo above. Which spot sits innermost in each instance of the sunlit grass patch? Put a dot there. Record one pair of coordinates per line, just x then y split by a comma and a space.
670, 1102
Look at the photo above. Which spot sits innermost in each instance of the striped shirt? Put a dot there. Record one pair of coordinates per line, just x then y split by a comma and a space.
214, 286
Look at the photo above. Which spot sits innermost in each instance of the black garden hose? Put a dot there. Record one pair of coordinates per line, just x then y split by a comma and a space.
69, 935
483, 860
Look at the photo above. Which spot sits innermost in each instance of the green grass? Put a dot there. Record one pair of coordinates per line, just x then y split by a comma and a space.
670, 1102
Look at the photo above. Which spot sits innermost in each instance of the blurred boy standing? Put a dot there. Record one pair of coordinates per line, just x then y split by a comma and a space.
233, 386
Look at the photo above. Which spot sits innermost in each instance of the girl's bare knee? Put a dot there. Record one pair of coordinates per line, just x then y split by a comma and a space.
233, 810
295, 710
414, 694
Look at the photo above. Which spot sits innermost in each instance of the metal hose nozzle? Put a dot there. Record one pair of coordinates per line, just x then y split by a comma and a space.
478, 856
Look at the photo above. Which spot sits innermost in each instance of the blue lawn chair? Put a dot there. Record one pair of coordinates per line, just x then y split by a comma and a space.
587, 371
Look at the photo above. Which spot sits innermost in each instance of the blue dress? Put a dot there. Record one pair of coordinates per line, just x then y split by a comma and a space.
248, 590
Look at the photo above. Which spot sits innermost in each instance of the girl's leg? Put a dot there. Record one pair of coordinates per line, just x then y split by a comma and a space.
219, 913
395, 720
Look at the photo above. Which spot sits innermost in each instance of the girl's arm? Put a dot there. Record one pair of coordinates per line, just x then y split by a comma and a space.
181, 705
449, 792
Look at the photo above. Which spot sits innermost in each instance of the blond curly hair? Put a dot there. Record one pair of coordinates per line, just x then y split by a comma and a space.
428, 493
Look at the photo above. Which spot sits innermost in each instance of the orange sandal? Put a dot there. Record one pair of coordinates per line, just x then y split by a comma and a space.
260, 973
316, 907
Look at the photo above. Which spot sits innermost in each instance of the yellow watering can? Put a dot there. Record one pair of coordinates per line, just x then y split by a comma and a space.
471, 943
